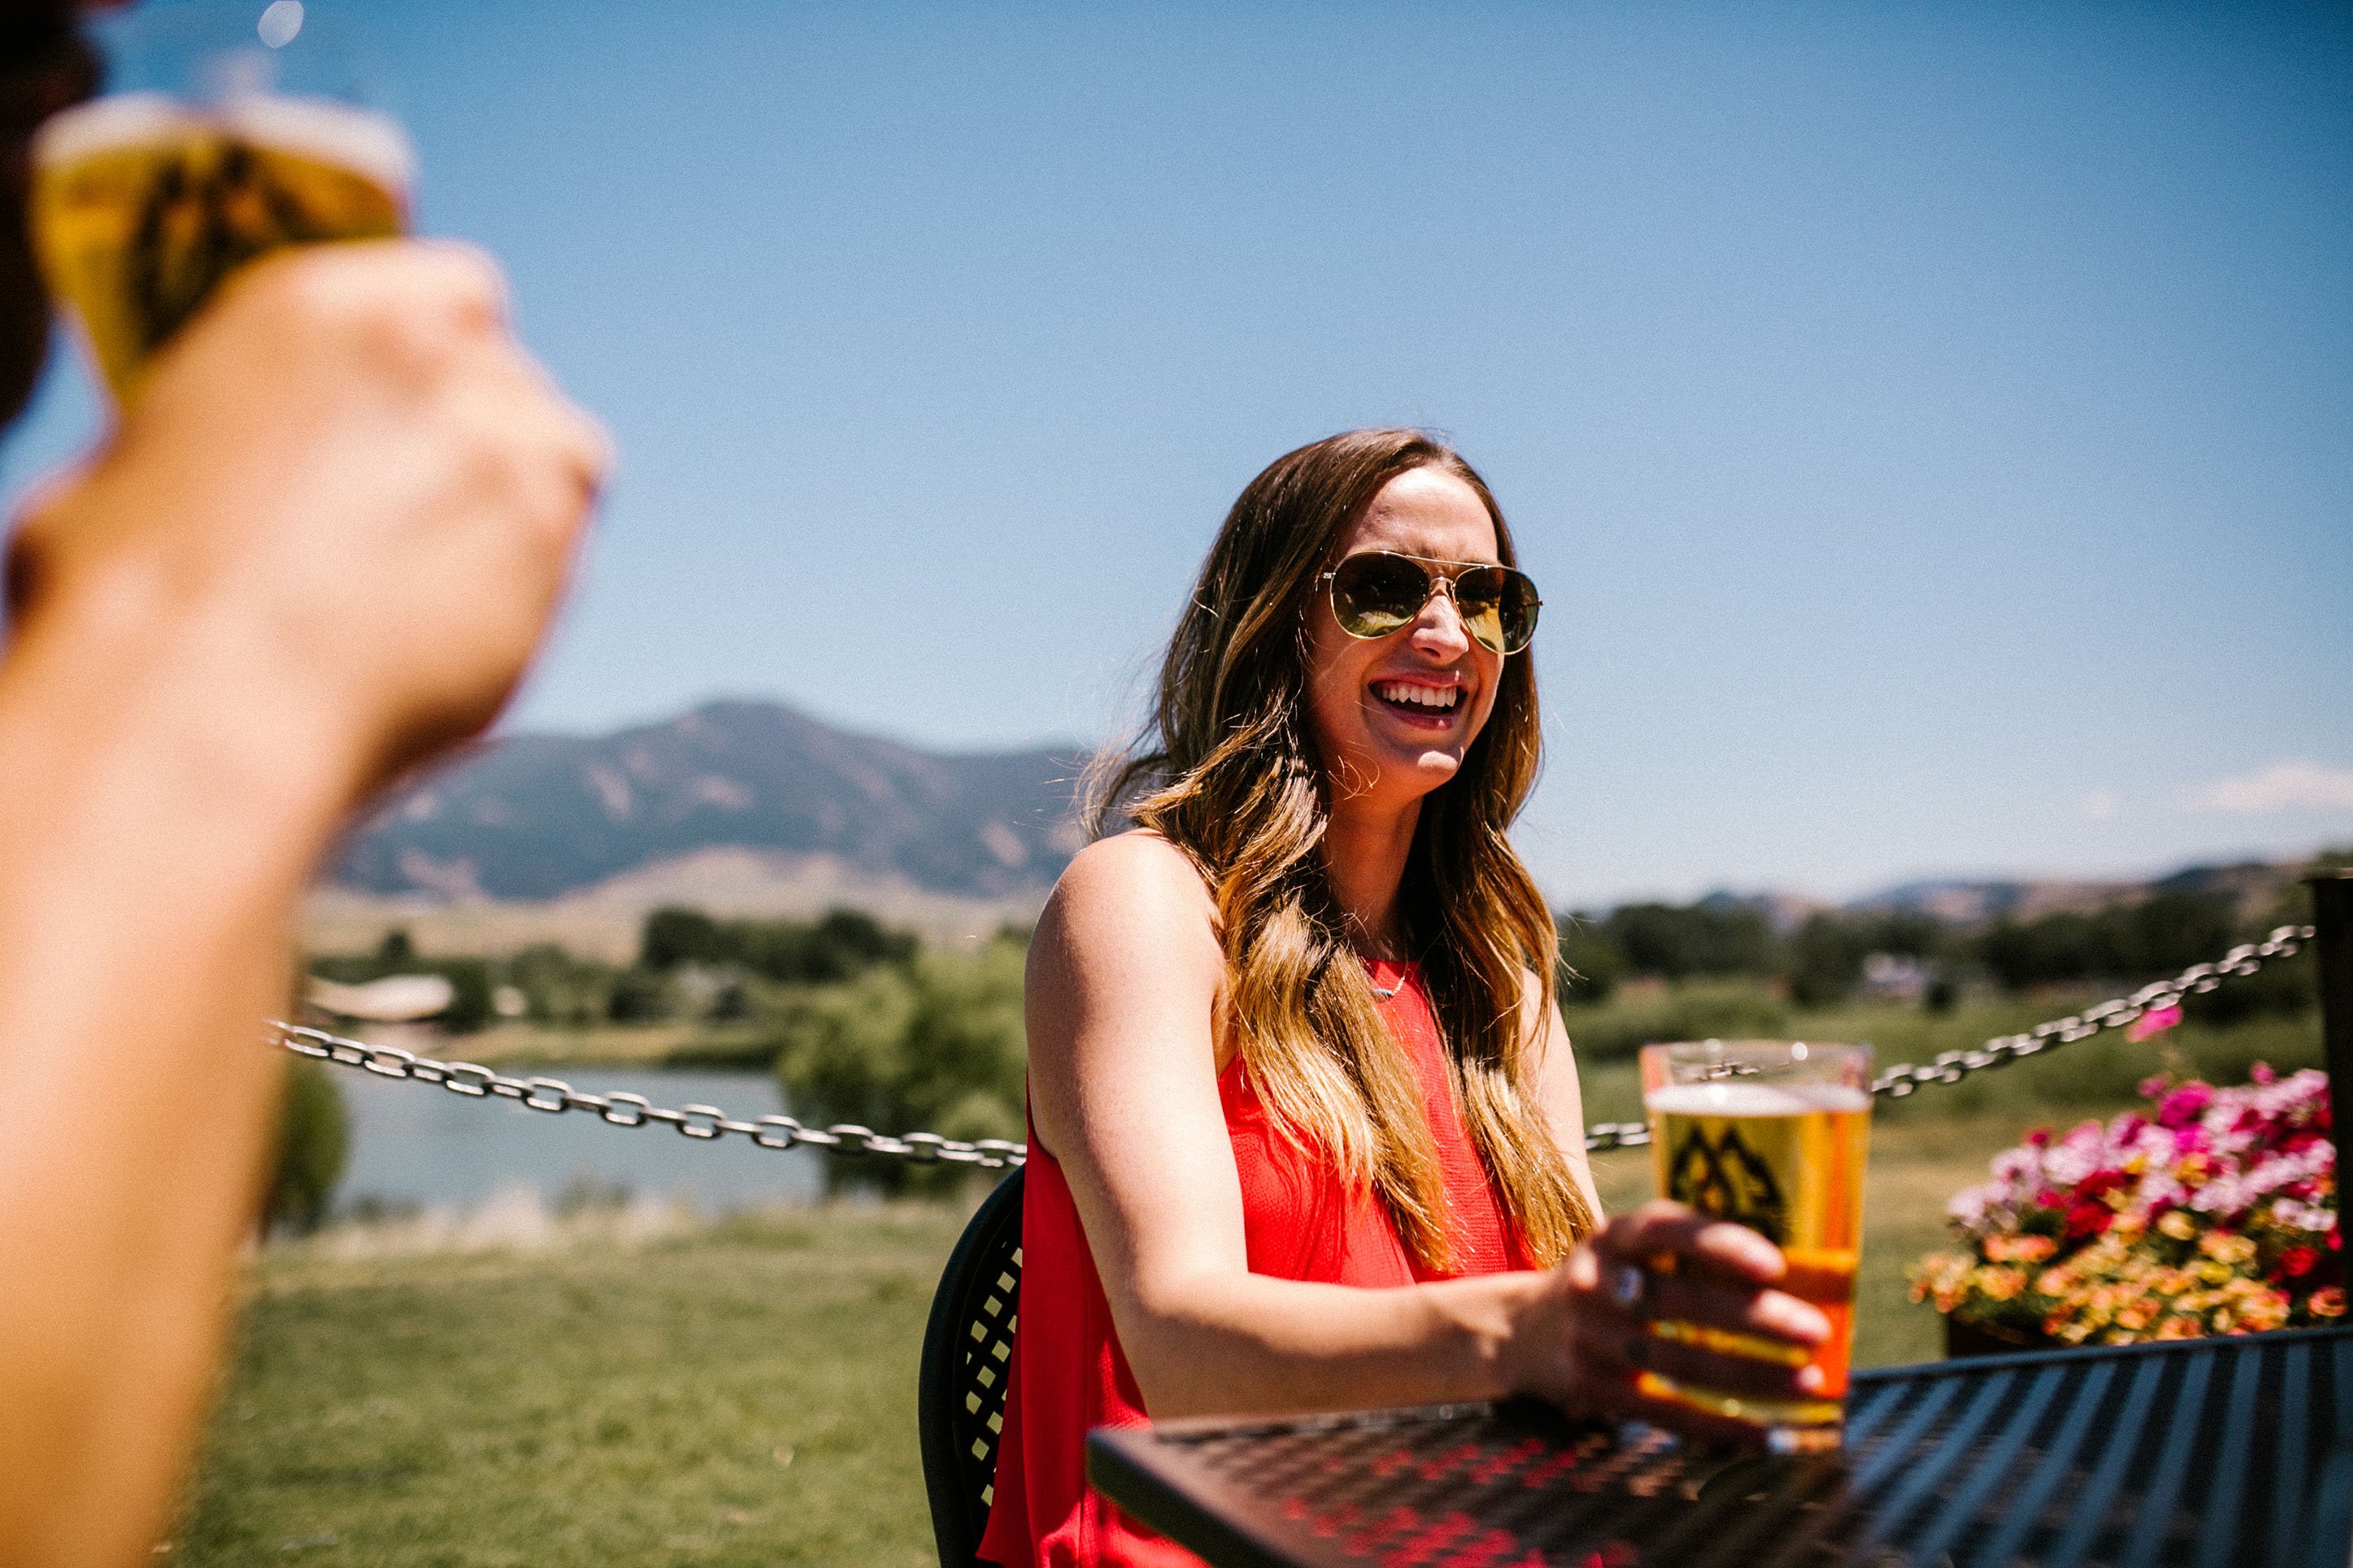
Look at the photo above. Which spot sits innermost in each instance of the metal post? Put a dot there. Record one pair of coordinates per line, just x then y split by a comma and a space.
2332, 919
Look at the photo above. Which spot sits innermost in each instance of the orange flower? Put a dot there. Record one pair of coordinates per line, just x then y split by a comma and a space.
2001, 1284
2328, 1301
2224, 1247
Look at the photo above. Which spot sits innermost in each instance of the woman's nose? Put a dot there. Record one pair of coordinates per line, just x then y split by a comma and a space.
1439, 629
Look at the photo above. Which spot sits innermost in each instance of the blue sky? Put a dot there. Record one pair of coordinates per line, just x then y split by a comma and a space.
1932, 426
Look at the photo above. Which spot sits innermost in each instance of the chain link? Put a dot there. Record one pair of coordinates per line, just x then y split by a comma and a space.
708, 1122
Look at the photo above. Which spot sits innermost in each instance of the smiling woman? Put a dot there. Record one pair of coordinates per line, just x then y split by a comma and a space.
1304, 1126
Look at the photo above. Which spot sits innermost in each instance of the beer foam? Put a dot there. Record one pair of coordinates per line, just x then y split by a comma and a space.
356, 139
360, 140
125, 120
1735, 1097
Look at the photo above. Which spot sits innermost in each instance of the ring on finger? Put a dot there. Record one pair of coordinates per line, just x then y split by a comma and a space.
1627, 1285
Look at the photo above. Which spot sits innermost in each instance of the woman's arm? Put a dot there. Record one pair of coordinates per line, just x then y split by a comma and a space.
1123, 1000
1123, 997
1557, 1091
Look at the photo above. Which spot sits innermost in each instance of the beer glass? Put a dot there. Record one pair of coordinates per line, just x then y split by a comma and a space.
233, 128
1772, 1135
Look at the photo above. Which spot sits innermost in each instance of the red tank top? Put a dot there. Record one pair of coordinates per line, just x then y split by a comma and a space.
1300, 1223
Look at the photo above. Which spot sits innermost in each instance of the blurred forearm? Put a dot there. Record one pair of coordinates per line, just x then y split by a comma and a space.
158, 831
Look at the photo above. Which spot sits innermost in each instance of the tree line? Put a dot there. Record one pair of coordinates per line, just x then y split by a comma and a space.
1822, 959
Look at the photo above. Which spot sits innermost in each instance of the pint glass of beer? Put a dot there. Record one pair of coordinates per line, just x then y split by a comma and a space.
1772, 1135
240, 129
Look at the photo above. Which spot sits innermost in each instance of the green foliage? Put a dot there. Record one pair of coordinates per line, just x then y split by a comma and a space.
1825, 960
559, 988
936, 1044
1821, 964
2283, 987
314, 1139
2156, 936
1592, 961
674, 936
638, 996
840, 945
1711, 937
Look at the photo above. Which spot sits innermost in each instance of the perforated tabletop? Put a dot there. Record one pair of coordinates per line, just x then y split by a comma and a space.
2213, 1452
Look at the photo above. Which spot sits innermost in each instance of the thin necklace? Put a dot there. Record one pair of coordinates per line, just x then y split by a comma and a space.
1402, 964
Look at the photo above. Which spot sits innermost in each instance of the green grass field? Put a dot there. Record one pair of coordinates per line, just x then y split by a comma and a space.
744, 1393
745, 1396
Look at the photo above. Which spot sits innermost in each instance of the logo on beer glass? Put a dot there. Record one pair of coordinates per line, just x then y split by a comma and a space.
1724, 1177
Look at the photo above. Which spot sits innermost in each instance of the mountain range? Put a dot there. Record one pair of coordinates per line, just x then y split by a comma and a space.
752, 807
535, 816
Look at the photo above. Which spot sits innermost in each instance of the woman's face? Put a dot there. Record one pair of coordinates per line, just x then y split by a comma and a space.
1394, 715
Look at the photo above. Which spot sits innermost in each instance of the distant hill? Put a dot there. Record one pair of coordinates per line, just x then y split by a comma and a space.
2254, 886
536, 817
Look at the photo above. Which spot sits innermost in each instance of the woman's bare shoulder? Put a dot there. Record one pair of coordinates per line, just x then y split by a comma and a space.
1136, 872
1131, 894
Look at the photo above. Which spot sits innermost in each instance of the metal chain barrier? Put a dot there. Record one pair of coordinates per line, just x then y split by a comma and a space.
555, 1097
1951, 1067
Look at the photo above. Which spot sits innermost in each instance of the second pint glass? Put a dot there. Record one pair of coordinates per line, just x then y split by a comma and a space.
1772, 1135
233, 141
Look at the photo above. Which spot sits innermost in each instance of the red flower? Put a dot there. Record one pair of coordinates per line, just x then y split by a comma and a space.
2085, 1219
2099, 1184
2298, 1261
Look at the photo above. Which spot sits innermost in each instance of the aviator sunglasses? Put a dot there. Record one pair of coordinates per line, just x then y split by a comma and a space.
1380, 591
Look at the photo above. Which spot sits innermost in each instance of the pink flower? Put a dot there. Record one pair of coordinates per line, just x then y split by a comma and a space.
2185, 1104
2155, 1021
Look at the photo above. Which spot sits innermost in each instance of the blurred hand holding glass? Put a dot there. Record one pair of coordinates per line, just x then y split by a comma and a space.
233, 130
1771, 1134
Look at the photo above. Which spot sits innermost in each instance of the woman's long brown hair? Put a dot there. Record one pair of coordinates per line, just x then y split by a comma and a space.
1227, 772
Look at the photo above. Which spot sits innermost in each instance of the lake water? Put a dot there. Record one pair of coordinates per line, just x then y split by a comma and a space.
416, 1144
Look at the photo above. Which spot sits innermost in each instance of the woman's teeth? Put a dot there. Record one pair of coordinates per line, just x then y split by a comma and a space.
1413, 694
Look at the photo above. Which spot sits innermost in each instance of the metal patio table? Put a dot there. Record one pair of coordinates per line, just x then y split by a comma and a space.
2205, 1452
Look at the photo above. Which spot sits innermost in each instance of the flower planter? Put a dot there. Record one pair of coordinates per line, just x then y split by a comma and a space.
2213, 1213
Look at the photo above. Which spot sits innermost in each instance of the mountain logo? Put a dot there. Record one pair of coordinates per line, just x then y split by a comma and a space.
1726, 1178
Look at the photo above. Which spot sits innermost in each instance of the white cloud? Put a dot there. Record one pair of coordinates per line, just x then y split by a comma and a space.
2283, 786
2101, 805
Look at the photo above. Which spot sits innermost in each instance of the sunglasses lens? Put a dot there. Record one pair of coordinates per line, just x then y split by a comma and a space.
1374, 594
1499, 607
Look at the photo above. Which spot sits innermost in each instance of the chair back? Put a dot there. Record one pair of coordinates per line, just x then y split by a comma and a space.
968, 1353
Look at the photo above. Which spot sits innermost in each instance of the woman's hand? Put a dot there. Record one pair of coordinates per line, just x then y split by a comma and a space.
1588, 1336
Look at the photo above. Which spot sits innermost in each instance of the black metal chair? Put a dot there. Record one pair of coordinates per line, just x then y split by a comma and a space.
960, 1389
